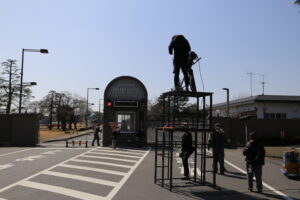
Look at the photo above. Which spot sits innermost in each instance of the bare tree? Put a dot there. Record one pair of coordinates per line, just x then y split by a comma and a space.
10, 88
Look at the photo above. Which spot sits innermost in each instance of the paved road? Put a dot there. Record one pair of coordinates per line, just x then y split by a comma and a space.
55, 172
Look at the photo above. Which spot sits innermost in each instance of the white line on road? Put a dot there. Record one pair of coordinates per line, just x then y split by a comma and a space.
123, 150
81, 178
93, 169
109, 158
102, 163
6, 166
123, 181
61, 190
114, 154
16, 152
2, 199
25, 179
120, 152
265, 184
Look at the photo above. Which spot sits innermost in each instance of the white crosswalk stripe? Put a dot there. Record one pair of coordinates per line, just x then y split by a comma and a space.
115, 154
81, 178
109, 158
102, 163
61, 190
76, 163
93, 169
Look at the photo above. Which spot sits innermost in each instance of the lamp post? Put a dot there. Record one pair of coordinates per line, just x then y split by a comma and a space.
87, 104
22, 69
227, 91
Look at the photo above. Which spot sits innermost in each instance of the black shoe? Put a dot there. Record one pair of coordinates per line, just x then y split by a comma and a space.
186, 178
260, 191
222, 173
250, 189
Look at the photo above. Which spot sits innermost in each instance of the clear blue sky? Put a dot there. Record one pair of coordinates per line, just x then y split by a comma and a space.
93, 41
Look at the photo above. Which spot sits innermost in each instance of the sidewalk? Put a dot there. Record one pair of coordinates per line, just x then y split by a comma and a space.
66, 136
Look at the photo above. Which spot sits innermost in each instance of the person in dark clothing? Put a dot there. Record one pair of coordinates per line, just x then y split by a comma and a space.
114, 136
186, 150
255, 159
181, 48
217, 141
96, 135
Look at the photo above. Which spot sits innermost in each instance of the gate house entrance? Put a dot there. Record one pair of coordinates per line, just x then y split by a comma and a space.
125, 105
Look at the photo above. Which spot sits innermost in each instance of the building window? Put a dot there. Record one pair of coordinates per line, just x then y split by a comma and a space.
126, 122
275, 115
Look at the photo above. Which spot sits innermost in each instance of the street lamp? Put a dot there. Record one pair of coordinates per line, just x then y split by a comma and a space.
87, 104
227, 91
22, 68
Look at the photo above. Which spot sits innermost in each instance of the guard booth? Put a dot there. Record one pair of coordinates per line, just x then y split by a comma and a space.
125, 106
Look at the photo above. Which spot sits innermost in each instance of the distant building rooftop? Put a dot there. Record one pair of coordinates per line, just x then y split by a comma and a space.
262, 98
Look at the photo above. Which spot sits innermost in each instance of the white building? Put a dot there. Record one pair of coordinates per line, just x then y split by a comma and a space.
262, 107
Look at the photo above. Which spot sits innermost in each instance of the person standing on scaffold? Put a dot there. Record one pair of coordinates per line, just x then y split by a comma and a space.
181, 48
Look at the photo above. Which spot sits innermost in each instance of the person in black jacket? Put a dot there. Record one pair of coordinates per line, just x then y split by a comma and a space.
217, 140
96, 135
181, 48
186, 150
255, 159
114, 136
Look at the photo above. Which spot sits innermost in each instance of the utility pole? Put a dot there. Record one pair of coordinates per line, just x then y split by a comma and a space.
251, 74
227, 94
263, 83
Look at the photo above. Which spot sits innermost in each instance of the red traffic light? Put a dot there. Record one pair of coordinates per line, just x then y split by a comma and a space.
109, 103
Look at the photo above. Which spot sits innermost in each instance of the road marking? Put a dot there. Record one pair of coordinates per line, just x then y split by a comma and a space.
25, 179
108, 158
113, 154
265, 184
2, 199
122, 152
123, 181
30, 158
74, 193
16, 152
6, 166
81, 178
94, 169
51, 152
61, 190
102, 163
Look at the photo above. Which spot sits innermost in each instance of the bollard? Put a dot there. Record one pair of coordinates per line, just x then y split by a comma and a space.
67, 143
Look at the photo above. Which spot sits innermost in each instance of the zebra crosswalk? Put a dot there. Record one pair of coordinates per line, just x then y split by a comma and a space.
95, 174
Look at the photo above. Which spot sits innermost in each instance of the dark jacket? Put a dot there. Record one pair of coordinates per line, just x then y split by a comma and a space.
180, 46
114, 134
217, 141
254, 152
97, 130
186, 142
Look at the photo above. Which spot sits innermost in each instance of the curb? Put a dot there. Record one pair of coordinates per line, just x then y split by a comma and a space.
64, 139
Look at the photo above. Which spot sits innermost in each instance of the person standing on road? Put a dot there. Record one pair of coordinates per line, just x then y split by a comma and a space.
114, 136
181, 48
96, 135
186, 150
217, 141
255, 159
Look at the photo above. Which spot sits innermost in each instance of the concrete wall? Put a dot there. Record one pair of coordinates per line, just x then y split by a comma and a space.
19, 129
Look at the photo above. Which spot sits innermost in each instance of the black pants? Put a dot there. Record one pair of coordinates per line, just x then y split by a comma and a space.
218, 157
96, 137
185, 163
183, 65
257, 172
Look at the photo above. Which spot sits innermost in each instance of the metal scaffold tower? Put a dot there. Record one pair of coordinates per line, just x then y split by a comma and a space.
198, 122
